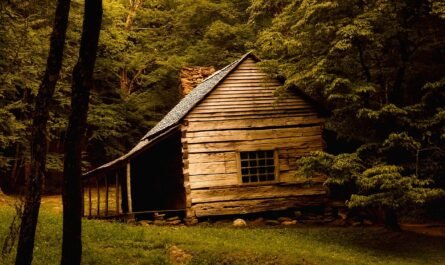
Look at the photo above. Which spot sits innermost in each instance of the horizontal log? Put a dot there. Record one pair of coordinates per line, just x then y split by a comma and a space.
258, 82
211, 157
272, 109
251, 135
270, 85
243, 116
227, 89
252, 101
289, 113
212, 168
240, 94
309, 143
256, 100
253, 192
254, 206
209, 99
213, 180
241, 73
253, 123
257, 78
248, 106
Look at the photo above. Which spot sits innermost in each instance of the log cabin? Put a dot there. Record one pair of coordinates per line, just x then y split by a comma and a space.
229, 147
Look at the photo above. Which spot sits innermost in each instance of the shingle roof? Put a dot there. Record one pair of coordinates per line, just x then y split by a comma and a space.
193, 98
173, 118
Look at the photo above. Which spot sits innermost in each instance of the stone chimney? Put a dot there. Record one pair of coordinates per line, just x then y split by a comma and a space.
193, 76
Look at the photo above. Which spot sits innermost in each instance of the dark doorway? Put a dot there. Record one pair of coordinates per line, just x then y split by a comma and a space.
157, 181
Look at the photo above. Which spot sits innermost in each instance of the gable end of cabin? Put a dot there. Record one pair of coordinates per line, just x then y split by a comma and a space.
241, 144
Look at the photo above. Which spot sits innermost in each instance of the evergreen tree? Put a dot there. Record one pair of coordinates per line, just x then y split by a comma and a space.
378, 66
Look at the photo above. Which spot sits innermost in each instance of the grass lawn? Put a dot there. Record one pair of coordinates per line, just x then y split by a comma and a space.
117, 243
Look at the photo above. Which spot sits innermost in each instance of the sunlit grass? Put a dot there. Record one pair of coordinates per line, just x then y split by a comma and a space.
116, 243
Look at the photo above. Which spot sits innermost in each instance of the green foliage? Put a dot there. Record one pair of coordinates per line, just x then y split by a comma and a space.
386, 186
378, 66
341, 169
165, 36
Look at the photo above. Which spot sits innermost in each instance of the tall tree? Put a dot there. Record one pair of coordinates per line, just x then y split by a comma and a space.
379, 67
39, 135
125, 84
75, 135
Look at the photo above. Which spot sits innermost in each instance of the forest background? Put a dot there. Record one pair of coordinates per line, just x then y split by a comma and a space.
376, 67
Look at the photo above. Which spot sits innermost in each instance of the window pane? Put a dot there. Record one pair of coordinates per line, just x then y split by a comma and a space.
257, 166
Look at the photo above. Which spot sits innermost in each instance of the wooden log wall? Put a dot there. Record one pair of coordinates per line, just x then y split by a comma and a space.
243, 114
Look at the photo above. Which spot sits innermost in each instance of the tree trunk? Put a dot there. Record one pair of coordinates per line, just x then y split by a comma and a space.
391, 220
34, 182
397, 93
81, 85
125, 84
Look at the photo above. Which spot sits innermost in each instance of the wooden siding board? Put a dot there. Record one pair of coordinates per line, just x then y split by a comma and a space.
310, 143
253, 192
252, 135
252, 123
255, 206
212, 168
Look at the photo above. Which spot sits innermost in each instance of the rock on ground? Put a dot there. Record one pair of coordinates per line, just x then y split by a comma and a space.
177, 256
239, 223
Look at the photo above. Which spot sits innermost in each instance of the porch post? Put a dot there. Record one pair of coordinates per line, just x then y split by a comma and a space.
130, 206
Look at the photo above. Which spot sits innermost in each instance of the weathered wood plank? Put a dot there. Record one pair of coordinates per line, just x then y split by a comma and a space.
242, 116
309, 143
272, 109
213, 180
240, 94
253, 192
253, 123
211, 157
288, 113
256, 78
255, 100
261, 132
254, 206
257, 82
261, 100
212, 168
250, 74
229, 89
247, 86
259, 105
251, 135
